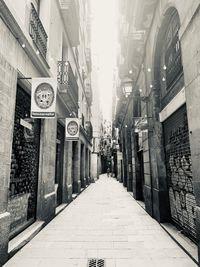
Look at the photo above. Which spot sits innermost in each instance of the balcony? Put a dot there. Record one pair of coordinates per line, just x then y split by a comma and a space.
120, 112
88, 91
37, 32
89, 129
145, 13
88, 59
135, 50
126, 7
70, 12
123, 34
68, 87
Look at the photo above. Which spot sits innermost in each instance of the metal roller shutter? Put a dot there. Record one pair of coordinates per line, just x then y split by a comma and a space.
179, 171
24, 165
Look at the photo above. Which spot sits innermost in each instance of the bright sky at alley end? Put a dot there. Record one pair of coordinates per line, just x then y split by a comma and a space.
104, 48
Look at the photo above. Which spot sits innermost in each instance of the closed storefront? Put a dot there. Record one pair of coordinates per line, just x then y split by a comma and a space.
59, 162
179, 171
24, 165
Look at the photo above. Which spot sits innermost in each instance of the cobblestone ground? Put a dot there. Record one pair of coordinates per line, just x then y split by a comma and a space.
103, 222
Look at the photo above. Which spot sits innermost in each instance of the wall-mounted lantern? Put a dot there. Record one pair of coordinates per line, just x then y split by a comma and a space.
127, 86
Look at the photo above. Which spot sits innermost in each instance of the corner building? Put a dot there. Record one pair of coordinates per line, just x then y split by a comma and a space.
159, 128
39, 169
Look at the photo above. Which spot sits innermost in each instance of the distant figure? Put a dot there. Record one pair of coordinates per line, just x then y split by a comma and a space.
108, 172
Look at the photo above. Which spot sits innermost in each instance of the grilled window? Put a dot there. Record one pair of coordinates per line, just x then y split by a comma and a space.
171, 68
173, 60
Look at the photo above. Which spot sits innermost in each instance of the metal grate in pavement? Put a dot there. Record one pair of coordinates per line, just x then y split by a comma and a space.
96, 263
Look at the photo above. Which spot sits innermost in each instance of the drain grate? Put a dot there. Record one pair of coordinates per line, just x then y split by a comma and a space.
96, 263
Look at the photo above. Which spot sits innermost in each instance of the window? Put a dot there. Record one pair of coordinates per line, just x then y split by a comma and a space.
170, 68
172, 52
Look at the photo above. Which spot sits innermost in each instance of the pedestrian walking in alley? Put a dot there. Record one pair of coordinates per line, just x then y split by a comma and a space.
108, 172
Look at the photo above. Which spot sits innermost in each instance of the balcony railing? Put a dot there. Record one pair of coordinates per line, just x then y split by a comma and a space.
68, 86
88, 54
88, 91
37, 32
88, 59
89, 129
144, 14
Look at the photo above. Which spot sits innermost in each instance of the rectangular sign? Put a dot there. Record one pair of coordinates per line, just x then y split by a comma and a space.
119, 155
26, 124
43, 97
173, 105
138, 35
72, 129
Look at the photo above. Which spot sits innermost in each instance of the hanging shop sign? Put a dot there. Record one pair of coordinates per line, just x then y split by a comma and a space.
138, 35
43, 97
119, 155
72, 129
28, 125
141, 124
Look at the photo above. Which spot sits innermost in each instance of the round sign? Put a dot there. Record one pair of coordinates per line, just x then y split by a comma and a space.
44, 95
72, 128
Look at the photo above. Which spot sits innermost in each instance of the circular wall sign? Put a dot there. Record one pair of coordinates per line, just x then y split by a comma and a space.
72, 128
44, 95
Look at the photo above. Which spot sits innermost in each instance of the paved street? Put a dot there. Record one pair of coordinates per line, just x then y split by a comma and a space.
103, 222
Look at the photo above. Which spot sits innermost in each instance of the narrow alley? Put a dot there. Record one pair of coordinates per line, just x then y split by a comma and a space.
103, 222
90, 88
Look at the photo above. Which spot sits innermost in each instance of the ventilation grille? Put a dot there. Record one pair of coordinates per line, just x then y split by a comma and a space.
96, 263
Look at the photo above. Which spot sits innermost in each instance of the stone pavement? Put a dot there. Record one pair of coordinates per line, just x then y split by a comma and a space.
103, 222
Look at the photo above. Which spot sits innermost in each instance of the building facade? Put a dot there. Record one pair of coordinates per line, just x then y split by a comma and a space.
158, 121
106, 147
40, 169
97, 123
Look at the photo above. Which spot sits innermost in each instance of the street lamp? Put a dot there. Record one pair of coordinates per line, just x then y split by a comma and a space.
127, 86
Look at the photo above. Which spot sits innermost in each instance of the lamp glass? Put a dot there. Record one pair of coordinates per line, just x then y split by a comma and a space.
127, 87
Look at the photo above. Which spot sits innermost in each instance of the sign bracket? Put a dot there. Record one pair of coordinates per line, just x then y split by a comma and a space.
24, 78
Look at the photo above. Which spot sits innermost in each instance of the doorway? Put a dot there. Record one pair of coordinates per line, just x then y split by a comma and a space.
140, 183
59, 163
23, 187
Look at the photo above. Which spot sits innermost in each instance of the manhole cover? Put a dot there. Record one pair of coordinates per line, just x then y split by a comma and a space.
96, 263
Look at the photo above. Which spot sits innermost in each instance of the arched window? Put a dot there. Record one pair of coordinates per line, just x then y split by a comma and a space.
173, 61
170, 61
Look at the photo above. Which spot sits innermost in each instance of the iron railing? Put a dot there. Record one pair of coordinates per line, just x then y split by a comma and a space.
173, 62
67, 81
37, 32
89, 129
67, 77
88, 59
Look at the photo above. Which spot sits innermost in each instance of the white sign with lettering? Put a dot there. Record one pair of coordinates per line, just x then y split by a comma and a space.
72, 129
43, 97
